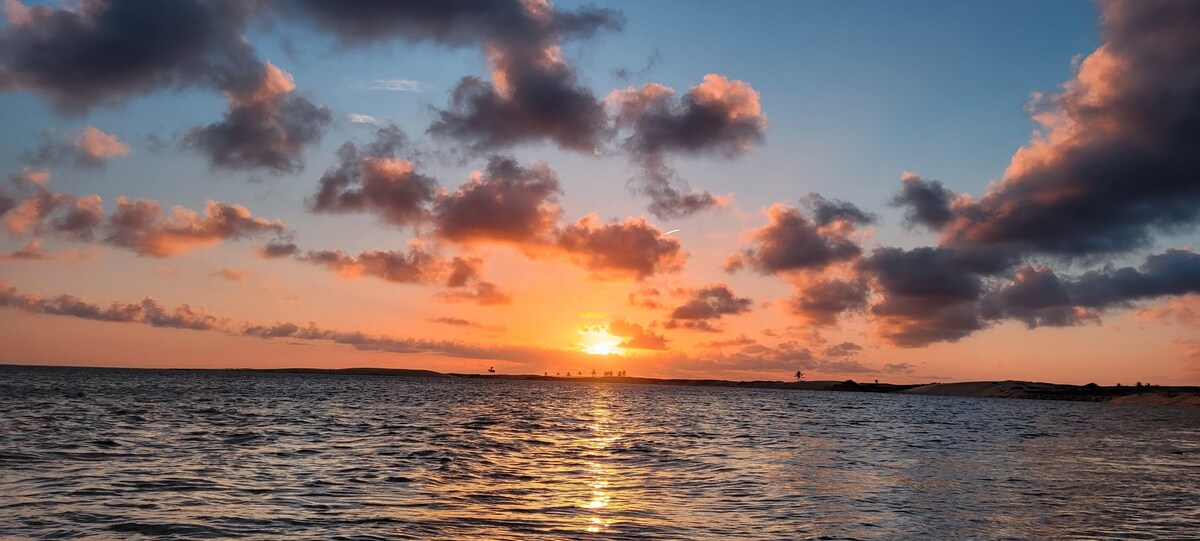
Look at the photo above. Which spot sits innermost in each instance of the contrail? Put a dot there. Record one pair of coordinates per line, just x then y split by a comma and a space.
671, 232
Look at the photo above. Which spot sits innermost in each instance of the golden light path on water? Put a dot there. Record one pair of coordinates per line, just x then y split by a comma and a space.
602, 436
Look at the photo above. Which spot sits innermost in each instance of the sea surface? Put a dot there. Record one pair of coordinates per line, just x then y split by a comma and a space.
126, 454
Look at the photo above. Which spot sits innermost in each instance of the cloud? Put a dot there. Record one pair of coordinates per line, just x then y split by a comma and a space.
634, 336
416, 266
278, 248
706, 305
925, 295
925, 202
1037, 296
148, 311
504, 203
831, 212
631, 248
373, 179
45, 210
844, 349
233, 275
359, 118
792, 242
821, 302
88, 147
533, 94
480, 292
670, 197
141, 226
929, 295
1114, 161
460, 322
1184, 310
267, 128
138, 225
469, 23
717, 117
393, 85
102, 53
750, 355
30, 252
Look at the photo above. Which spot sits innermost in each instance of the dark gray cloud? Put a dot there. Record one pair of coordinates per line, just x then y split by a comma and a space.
926, 295
1111, 168
670, 197
926, 202
543, 103
460, 322
478, 292
844, 349
103, 53
267, 130
374, 179
457, 23
534, 94
148, 311
821, 302
276, 249
750, 355
1116, 161
718, 117
712, 302
934, 294
792, 242
506, 203
827, 212
415, 266
1038, 296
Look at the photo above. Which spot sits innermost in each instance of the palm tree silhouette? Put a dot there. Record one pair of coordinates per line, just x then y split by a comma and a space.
799, 375
492, 370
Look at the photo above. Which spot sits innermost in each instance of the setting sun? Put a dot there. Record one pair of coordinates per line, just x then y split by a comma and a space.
598, 341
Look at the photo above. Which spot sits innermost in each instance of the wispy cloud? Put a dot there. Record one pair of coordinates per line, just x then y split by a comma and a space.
356, 118
392, 85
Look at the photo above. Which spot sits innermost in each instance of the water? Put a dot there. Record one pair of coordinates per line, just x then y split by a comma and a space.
117, 453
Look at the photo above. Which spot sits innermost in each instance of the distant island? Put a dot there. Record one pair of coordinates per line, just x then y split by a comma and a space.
1117, 394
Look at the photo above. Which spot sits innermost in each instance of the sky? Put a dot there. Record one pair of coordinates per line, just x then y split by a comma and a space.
908, 192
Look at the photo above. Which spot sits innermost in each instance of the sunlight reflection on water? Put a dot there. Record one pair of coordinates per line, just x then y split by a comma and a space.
112, 453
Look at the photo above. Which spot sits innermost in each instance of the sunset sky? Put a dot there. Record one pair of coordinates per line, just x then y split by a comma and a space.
902, 191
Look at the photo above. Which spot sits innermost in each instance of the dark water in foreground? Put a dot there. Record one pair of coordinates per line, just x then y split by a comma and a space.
117, 453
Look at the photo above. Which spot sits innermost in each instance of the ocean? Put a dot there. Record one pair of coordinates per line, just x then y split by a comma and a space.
116, 453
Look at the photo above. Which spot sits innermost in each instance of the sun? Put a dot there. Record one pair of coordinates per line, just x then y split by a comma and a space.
597, 341
601, 349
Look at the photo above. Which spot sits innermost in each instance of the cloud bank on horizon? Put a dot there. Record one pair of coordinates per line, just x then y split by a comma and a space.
1082, 224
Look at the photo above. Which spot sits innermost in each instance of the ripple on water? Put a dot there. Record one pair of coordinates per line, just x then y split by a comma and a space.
195, 455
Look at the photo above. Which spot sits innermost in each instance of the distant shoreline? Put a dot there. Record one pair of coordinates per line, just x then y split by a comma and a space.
1118, 394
